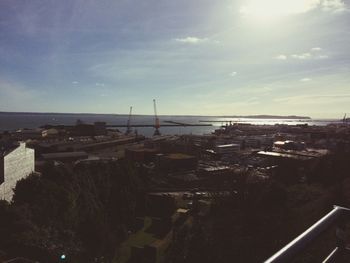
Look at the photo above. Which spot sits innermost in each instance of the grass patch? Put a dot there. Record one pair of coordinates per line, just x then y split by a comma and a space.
139, 239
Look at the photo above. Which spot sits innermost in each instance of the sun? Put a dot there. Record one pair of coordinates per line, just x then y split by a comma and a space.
270, 9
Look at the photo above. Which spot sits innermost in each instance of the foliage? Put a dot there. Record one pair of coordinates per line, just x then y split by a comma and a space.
83, 211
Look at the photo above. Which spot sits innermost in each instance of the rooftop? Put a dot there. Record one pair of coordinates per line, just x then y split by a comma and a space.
64, 155
285, 155
179, 156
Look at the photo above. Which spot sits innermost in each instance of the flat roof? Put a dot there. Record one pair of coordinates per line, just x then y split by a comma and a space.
182, 210
179, 156
286, 155
228, 145
64, 155
215, 168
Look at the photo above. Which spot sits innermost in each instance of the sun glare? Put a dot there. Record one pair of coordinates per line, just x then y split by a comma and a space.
269, 9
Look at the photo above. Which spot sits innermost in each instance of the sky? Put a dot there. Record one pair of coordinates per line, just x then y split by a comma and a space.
195, 57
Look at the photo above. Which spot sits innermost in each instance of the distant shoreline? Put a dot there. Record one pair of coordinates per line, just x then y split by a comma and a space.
289, 117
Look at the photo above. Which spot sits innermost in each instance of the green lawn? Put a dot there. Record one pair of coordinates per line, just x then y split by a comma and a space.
140, 239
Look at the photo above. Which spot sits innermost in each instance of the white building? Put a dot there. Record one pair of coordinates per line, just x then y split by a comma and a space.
50, 133
15, 163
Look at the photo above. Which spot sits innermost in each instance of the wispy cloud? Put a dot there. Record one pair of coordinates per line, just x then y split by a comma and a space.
75, 82
301, 56
314, 99
281, 57
290, 7
305, 79
281, 7
322, 56
317, 53
333, 5
314, 53
97, 84
191, 40
233, 74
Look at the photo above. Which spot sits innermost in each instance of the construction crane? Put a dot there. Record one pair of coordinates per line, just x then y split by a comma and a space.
156, 119
128, 127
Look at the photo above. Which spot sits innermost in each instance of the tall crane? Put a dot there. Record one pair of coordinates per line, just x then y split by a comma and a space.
128, 127
156, 119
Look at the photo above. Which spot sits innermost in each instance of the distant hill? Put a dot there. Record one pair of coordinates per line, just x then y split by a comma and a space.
290, 117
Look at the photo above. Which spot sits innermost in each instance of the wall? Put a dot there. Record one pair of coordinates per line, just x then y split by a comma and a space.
1, 170
17, 165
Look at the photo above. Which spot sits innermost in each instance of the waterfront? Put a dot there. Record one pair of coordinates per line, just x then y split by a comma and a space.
248, 163
14, 121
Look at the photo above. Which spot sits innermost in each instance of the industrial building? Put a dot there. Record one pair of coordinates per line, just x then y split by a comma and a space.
50, 133
16, 162
25, 134
177, 162
137, 154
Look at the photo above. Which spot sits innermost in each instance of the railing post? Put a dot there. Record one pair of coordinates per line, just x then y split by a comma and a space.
331, 256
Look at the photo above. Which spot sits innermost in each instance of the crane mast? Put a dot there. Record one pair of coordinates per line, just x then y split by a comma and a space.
128, 125
156, 119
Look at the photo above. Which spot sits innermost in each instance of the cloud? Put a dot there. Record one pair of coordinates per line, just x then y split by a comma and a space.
234, 73
301, 56
333, 5
314, 53
278, 7
305, 79
275, 8
281, 57
75, 82
99, 84
323, 56
191, 40
314, 99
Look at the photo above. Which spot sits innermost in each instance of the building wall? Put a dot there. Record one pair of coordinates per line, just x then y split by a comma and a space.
18, 164
1, 169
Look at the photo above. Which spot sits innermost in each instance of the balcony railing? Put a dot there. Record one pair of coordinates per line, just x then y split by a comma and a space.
288, 252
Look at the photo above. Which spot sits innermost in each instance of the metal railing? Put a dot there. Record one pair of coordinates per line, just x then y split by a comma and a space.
290, 250
332, 256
